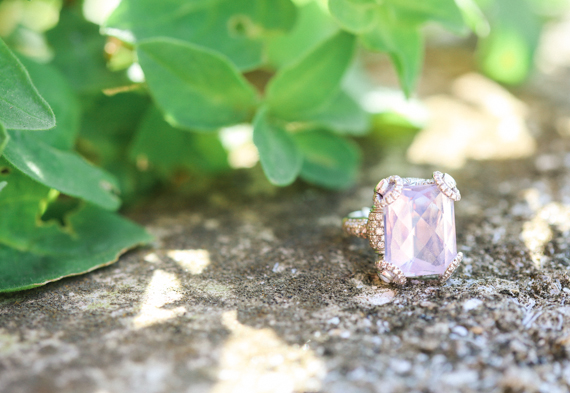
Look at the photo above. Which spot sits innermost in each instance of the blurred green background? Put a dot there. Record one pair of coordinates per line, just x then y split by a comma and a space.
105, 102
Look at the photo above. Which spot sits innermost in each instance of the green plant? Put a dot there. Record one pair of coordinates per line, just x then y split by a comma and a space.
81, 131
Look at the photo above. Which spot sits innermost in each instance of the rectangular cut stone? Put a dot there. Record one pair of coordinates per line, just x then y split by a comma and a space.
420, 231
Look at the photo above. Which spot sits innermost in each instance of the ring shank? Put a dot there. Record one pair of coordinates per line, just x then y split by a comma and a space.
356, 222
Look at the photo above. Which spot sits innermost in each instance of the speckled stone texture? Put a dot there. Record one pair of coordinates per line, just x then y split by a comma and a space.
254, 289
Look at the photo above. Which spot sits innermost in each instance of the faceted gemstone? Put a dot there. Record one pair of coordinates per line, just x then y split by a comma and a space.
420, 231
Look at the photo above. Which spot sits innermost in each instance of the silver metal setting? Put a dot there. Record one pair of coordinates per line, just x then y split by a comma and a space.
369, 223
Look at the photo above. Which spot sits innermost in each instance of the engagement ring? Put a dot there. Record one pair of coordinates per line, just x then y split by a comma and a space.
412, 227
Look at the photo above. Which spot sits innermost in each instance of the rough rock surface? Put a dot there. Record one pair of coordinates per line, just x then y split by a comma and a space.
250, 290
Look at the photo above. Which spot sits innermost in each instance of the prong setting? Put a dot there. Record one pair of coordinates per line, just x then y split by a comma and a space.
385, 193
451, 268
447, 185
388, 190
390, 273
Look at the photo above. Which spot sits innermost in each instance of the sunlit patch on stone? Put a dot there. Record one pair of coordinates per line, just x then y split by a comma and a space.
193, 261
151, 258
164, 288
538, 231
480, 121
376, 298
258, 361
420, 231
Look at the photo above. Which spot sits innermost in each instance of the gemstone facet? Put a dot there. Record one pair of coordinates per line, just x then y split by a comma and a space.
420, 231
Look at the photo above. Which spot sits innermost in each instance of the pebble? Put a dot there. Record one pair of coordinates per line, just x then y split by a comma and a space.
400, 366
460, 331
471, 304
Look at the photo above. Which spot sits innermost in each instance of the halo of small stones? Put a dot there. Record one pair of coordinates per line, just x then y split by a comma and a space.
451, 268
383, 197
375, 229
390, 273
449, 190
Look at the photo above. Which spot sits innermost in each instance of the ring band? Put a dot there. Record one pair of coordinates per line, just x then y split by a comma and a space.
411, 225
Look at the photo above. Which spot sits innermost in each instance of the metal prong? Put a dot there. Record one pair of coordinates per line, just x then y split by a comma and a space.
451, 268
383, 195
447, 185
390, 273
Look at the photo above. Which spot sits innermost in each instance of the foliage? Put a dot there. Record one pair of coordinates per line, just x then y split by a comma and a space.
94, 116
21, 106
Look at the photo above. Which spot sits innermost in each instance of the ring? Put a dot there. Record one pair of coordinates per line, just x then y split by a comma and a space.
412, 227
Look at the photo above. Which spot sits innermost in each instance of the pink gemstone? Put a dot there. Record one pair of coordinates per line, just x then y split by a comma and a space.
420, 231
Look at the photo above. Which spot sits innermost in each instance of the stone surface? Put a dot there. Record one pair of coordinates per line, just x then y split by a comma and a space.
420, 231
253, 289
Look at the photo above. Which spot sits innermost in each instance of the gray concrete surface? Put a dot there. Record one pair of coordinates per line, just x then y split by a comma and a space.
253, 289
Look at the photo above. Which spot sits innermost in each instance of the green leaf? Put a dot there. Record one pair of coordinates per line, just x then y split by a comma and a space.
21, 106
64, 171
87, 231
234, 28
99, 238
359, 16
54, 87
277, 16
279, 156
195, 88
80, 55
404, 44
356, 17
474, 17
328, 160
4, 138
342, 115
445, 12
506, 57
22, 202
104, 140
168, 149
307, 85
507, 53
313, 25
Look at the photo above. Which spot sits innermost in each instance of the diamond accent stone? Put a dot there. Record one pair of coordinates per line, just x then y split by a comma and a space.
382, 187
420, 231
450, 181
386, 276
